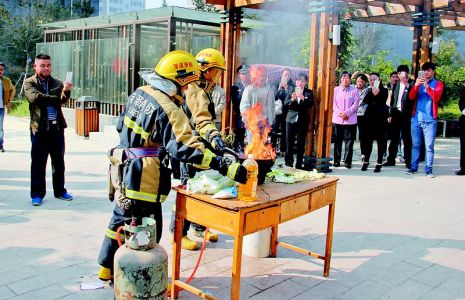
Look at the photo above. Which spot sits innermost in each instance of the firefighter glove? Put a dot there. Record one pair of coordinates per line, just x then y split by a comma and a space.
218, 144
226, 167
237, 172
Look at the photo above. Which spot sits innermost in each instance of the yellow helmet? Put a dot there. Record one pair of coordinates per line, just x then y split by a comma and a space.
178, 66
210, 58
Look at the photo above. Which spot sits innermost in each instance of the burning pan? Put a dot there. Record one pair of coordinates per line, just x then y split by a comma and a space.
264, 165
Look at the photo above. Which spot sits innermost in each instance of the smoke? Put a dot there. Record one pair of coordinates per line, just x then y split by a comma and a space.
283, 39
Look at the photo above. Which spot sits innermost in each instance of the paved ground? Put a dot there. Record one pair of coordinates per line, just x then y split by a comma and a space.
396, 236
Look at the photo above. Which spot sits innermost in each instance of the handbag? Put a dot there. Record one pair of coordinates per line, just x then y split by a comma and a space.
362, 107
361, 110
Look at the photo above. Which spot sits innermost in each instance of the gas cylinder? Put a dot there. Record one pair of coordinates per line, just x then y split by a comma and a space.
141, 265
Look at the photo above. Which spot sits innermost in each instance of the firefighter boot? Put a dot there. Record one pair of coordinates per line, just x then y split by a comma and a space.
105, 274
188, 244
212, 237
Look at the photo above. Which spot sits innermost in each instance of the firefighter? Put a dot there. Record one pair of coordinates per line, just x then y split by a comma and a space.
200, 109
152, 127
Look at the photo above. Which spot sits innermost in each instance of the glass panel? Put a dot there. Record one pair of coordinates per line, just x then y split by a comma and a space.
154, 44
193, 37
100, 67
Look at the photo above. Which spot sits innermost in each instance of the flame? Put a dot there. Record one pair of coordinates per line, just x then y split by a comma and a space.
259, 128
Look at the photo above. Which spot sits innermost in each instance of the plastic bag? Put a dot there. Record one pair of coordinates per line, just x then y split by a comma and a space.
208, 182
226, 193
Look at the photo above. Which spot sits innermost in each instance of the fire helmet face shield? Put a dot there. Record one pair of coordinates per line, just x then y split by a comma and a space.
210, 58
178, 66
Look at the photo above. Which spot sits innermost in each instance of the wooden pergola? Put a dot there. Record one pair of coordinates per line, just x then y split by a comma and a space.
425, 16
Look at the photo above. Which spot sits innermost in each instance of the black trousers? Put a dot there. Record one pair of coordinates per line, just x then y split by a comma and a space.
462, 142
373, 131
346, 134
399, 129
44, 143
239, 134
139, 209
279, 126
293, 131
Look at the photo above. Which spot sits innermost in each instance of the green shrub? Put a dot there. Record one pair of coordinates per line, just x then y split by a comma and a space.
449, 112
19, 107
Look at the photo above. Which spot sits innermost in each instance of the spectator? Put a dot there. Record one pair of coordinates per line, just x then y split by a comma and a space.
7, 93
345, 103
46, 95
426, 95
393, 80
219, 99
236, 95
375, 118
284, 89
400, 113
297, 120
462, 133
259, 91
361, 84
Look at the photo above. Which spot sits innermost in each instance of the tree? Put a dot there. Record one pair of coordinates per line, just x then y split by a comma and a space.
20, 35
83, 9
451, 70
201, 5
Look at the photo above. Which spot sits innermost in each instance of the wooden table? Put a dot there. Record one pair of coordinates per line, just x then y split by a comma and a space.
276, 203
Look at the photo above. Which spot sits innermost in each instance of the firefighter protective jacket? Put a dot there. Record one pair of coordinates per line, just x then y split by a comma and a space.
200, 109
155, 122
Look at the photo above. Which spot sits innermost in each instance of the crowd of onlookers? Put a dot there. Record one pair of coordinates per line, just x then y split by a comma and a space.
399, 116
404, 112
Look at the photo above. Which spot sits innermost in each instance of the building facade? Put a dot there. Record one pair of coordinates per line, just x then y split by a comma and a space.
108, 7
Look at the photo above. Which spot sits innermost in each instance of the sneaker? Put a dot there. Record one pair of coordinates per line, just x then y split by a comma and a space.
377, 168
336, 164
389, 164
66, 197
410, 171
2, 149
212, 237
430, 175
460, 172
37, 201
105, 274
188, 244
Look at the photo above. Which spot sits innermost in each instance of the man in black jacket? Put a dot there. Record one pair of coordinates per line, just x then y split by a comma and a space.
297, 120
46, 95
462, 133
400, 113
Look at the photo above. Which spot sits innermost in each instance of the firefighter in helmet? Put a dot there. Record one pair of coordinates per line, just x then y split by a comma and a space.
153, 127
200, 109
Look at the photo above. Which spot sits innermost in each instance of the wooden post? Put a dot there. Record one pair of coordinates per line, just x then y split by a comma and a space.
312, 79
321, 89
425, 51
227, 48
330, 81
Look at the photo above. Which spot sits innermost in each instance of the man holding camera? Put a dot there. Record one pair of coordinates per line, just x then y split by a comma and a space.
400, 113
426, 94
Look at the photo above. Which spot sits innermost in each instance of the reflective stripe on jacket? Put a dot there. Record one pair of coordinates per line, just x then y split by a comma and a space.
151, 118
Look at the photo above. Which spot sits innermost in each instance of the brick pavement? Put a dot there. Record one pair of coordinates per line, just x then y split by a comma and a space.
396, 236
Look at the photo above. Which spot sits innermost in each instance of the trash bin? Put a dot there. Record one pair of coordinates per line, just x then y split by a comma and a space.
87, 115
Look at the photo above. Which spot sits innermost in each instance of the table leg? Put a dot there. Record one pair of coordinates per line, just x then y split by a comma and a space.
274, 241
329, 239
176, 266
237, 260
